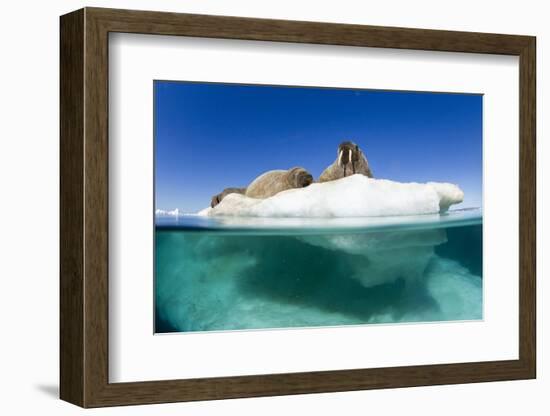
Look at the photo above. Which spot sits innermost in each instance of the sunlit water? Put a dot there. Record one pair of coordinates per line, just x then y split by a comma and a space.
215, 274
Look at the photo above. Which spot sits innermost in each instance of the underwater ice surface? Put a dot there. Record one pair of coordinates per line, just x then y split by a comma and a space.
245, 273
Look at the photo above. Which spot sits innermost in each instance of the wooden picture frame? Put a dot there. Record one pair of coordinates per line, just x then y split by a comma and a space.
84, 207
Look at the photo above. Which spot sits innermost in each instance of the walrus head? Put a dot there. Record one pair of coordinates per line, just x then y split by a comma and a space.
216, 199
299, 177
349, 156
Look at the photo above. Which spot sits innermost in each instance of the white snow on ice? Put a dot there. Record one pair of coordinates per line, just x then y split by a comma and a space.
353, 196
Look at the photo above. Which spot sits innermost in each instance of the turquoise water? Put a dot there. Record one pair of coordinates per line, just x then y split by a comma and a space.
236, 274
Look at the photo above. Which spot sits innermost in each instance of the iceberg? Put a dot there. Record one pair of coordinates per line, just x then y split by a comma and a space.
352, 196
389, 252
389, 255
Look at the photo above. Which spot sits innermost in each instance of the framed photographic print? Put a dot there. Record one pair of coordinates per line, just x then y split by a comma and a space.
255, 207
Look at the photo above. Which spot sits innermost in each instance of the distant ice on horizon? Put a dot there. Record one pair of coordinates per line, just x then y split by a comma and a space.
168, 213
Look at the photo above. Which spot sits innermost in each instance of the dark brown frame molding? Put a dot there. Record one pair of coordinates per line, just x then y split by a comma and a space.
84, 208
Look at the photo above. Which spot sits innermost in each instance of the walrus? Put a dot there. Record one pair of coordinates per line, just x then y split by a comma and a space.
275, 181
216, 199
349, 161
269, 184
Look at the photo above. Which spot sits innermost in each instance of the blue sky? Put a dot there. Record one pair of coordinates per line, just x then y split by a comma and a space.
210, 136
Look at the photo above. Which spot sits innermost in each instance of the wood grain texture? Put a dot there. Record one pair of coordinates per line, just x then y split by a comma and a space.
162, 23
71, 208
528, 207
96, 208
84, 207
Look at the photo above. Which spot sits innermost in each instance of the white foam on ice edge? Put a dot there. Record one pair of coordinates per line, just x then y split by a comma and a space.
353, 196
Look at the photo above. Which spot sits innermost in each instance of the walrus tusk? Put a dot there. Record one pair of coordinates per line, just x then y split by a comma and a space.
349, 156
340, 158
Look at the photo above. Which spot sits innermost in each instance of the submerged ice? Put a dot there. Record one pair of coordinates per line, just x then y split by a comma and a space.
217, 281
390, 255
352, 196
